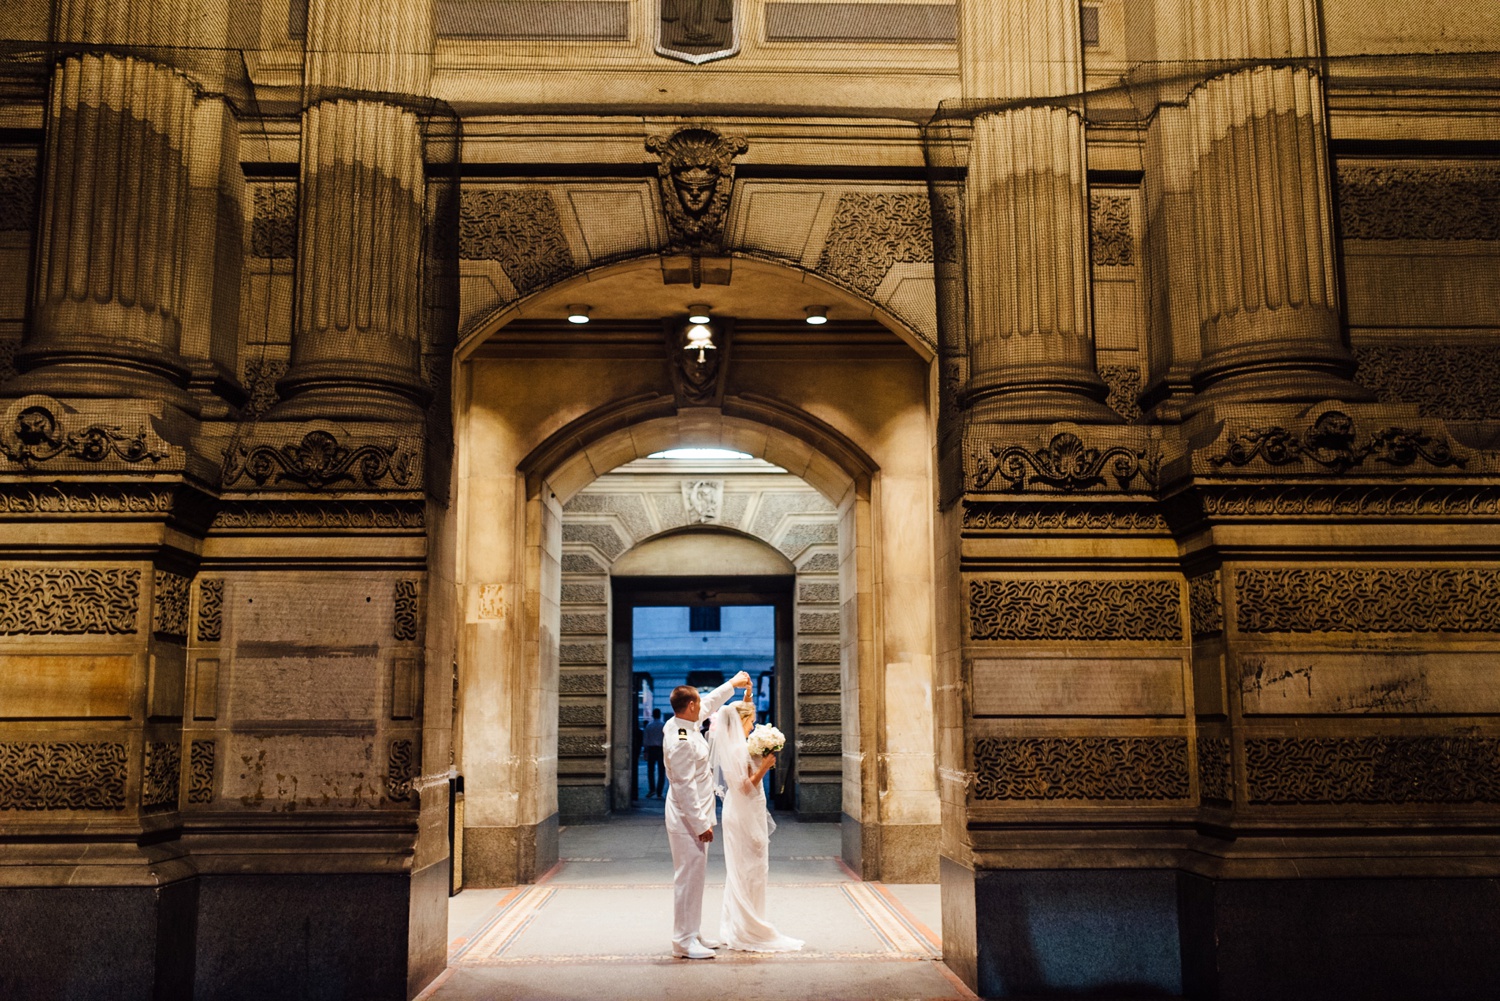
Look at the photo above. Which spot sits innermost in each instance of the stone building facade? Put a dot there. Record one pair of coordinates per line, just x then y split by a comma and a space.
1155, 418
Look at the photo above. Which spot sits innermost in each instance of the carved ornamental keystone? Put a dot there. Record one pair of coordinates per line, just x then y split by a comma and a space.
696, 177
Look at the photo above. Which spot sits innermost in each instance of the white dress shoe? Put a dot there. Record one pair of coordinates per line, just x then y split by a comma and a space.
694, 951
709, 943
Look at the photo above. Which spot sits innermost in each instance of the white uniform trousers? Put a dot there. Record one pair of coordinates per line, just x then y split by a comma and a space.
689, 871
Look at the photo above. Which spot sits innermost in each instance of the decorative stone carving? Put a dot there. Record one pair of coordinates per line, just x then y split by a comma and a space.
407, 625
817, 653
873, 231
17, 191
698, 378
1330, 442
201, 772
813, 713
317, 461
1215, 780
1081, 768
520, 229
83, 499
820, 743
1425, 501
581, 684
68, 601
818, 683
1374, 600
1427, 201
1451, 381
260, 383
1374, 770
696, 178
572, 714
1066, 464
401, 769
1124, 382
159, 775
36, 435
817, 591
1205, 606
62, 775
286, 515
1111, 237
697, 31
703, 500
993, 516
572, 746
169, 605
211, 610
273, 222
1083, 609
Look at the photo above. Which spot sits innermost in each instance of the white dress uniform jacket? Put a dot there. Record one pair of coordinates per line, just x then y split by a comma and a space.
690, 812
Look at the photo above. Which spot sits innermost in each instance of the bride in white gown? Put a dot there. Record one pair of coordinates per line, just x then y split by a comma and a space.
747, 833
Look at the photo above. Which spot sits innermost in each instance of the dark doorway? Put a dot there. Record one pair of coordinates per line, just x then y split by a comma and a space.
704, 599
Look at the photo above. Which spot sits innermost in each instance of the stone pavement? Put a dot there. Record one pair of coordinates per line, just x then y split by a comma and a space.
598, 927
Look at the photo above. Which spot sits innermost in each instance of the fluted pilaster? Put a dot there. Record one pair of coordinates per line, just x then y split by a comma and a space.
107, 318
1263, 236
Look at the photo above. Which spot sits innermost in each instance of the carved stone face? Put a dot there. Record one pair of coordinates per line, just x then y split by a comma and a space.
695, 188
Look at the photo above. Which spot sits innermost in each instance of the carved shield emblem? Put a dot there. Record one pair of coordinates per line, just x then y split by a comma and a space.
698, 31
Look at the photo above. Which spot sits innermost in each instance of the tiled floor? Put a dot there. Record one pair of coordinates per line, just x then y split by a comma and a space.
598, 926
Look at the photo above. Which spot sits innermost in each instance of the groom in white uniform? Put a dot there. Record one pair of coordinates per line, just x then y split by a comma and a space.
690, 810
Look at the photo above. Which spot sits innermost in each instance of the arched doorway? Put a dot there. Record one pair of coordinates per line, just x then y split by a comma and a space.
545, 409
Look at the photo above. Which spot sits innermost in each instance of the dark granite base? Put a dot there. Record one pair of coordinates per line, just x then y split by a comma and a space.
819, 801
1333, 939
97, 942
427, 926
852, 835
582, 804
506, 856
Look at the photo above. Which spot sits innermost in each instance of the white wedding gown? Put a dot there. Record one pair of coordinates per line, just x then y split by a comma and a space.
747, 841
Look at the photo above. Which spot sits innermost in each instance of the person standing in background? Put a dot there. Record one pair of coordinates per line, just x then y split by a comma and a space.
656, 774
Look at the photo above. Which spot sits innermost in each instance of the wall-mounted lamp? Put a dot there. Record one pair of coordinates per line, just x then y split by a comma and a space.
816, 314
578, 313
698, 313
700, 338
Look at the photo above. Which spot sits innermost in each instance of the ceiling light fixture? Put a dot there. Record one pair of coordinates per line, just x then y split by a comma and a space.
698, 313
578, 313
816, 314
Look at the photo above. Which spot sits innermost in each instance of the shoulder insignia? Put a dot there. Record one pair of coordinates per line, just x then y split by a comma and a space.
681, 733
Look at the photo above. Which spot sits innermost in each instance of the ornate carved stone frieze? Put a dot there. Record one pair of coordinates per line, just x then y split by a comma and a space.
574, 746
818, 683
1333, 443
289, 515
211, 610
401, 769
1427, 201
83, 499
260, 383
1111, 237
1205, 604
1215, 780
33, 433
521, 230
68, 601
873, 231
18, 187
169, 604
581, 684
273, 220
1374, 770
820, 743
1451, 381
1065, 463
702, 500
1081, 768
201, 772
317, 461
1375, 600
1075, 609
407, 626
62, 775
1124, 382
1363, 500
812, 713
696, 178
160, 775
573, 714
998, 516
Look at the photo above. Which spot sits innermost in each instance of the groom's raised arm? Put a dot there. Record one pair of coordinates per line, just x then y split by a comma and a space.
716, 698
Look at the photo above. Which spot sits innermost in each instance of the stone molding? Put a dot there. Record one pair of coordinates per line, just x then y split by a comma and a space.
1332, 442
1081, 768
1419, 201
1065, 463
320, 460
280, 515
1374, 600
62, 775
1362, 500
37, 431
68, 601
1000, 516
1075, 609
1373, 770
83, 499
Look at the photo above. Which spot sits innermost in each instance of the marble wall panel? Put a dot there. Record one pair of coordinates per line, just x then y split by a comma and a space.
1081, 686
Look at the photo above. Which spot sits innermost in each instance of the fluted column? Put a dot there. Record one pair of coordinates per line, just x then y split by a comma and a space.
1030, 323
1262, 215
355, 350
107, 301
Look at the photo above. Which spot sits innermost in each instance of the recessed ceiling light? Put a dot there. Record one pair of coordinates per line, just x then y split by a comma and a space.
698, 313
578, 313
816, 314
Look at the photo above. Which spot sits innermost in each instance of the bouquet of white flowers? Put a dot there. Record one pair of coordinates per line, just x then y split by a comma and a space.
765, 739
